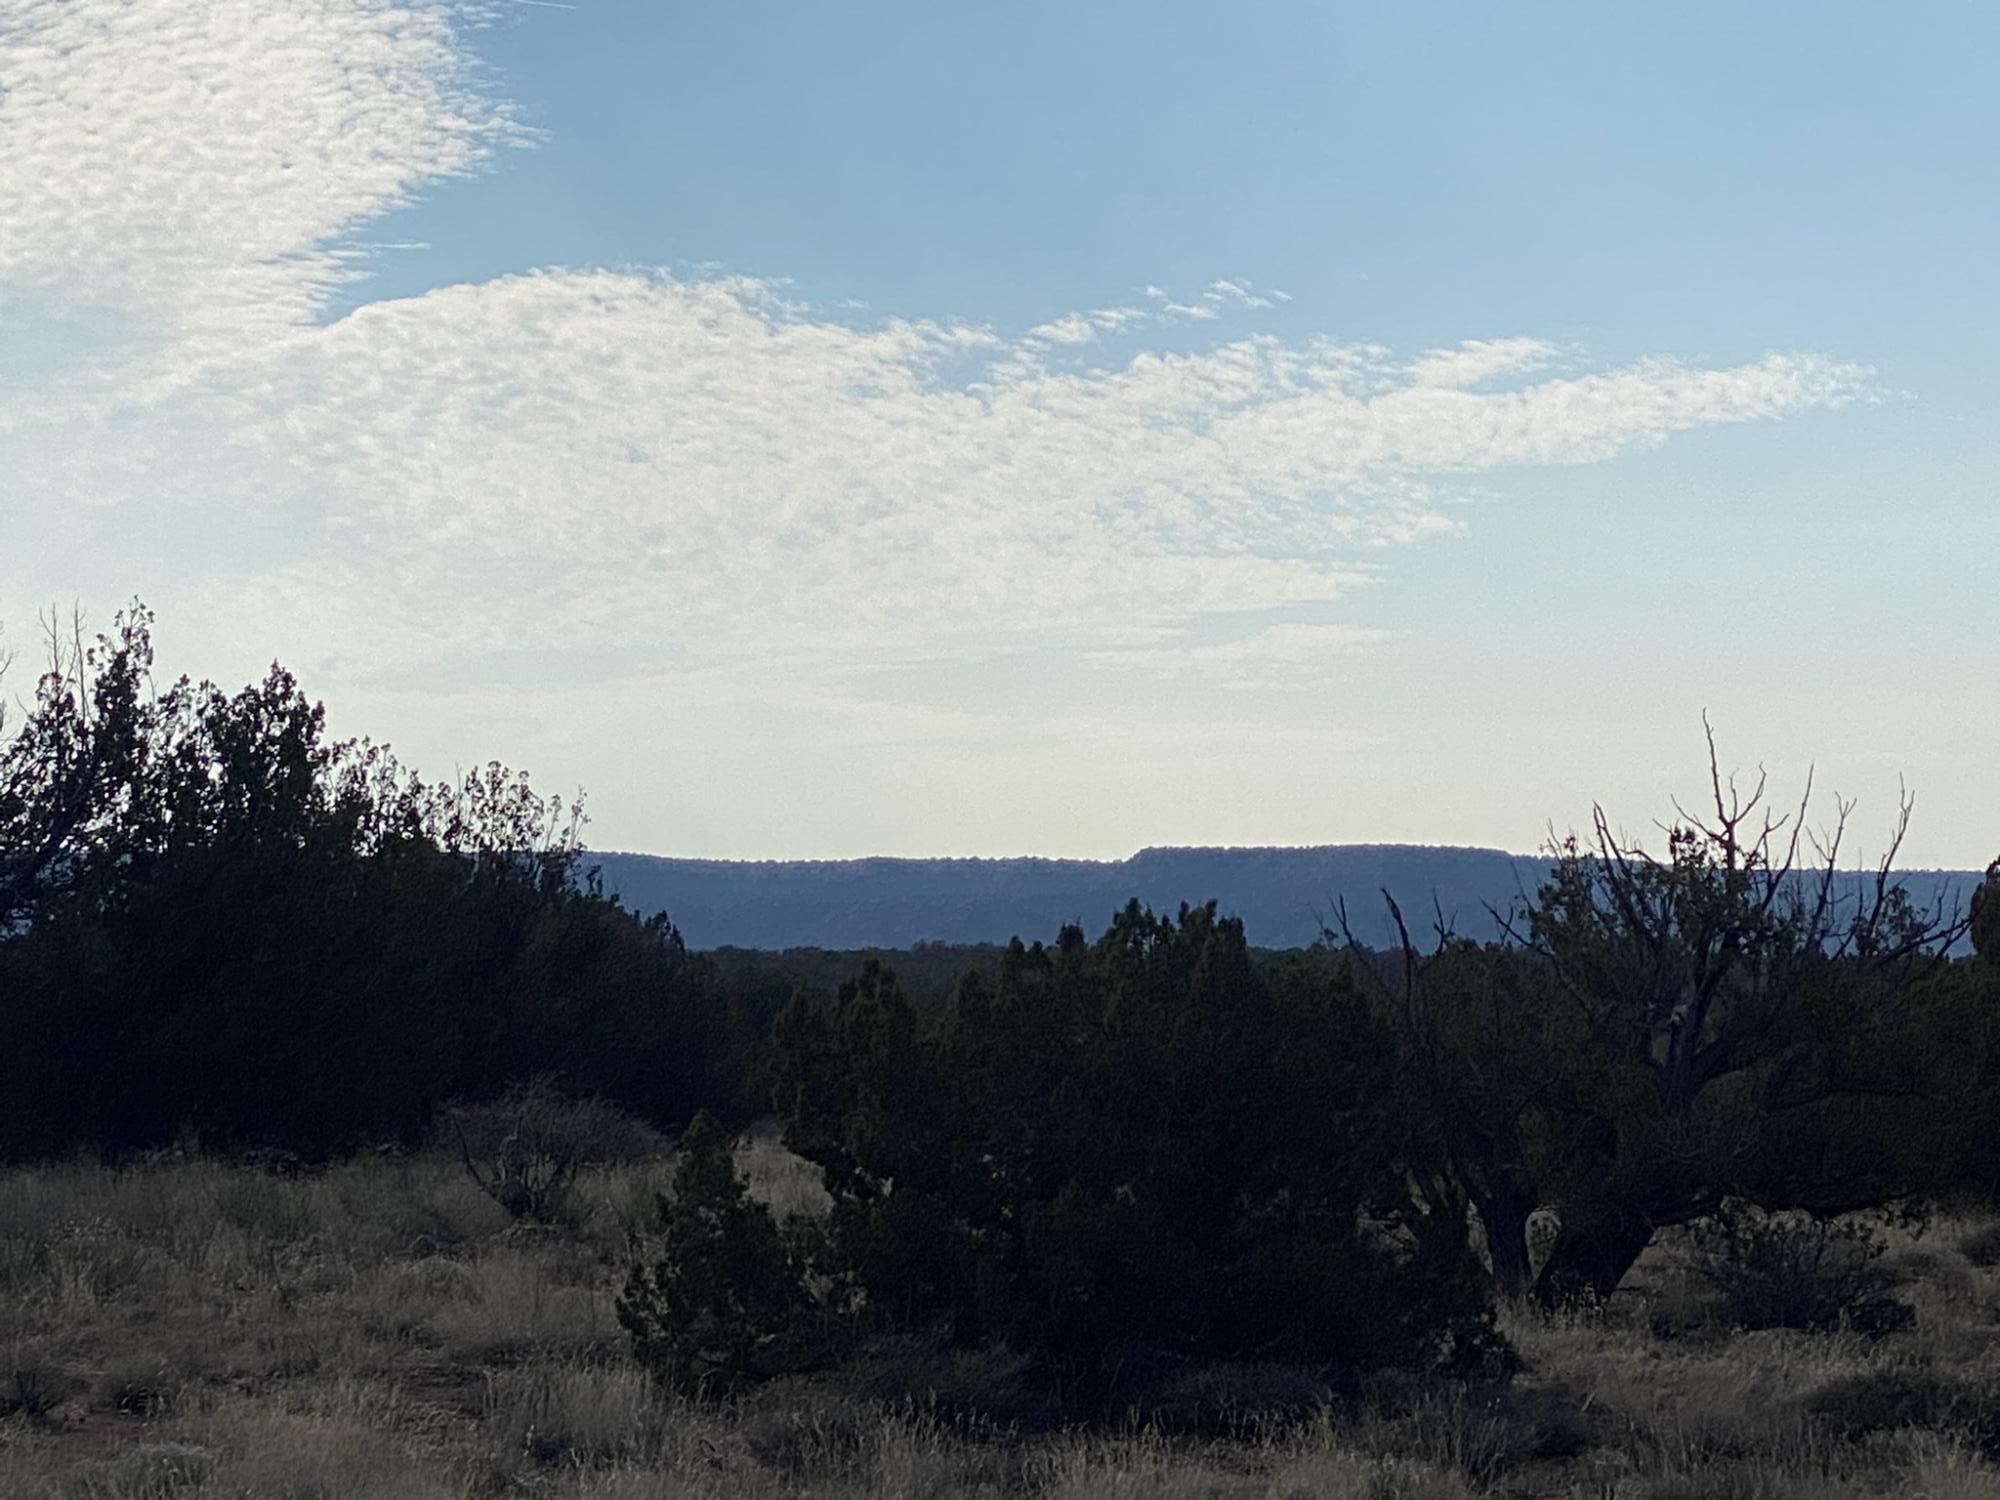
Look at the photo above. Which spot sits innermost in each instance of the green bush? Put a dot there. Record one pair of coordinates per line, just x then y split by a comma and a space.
723, 1301
1125, 1157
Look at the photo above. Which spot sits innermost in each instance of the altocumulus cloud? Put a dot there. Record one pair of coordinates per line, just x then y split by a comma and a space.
700, 462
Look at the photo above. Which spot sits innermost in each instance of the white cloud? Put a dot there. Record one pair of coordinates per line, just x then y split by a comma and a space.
193, 164
1278, 657
1477, 361
700, 463
1077, 328
1237, 293
1117, 319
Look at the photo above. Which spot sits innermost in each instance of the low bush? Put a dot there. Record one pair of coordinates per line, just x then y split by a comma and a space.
1892, 1398
1482, 1431
32, 1384
1982, 1246
1791, 1270
137, 1385
723, 1301
526, 1148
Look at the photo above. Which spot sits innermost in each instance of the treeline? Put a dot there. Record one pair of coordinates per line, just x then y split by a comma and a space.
219, 923
1113, 1151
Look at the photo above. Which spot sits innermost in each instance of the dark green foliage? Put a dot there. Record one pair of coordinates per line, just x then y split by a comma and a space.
723, 1299
1791, 1270
1986, 916
1109, 1165
1144, 1149
1743, 1035
1667, 1031
222, 922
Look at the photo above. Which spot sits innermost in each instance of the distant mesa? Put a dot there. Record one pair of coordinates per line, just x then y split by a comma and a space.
1282, 894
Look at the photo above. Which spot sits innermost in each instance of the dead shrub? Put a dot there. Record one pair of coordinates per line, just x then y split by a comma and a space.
970, 1388
137, 1385
526, 1148
830, 1438
1482, 1432
32, 1384
1791, 1270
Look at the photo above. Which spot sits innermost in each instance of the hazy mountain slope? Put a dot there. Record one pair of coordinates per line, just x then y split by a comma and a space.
1282, 894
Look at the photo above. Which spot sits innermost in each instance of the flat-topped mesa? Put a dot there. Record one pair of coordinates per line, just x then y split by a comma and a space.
1283, 895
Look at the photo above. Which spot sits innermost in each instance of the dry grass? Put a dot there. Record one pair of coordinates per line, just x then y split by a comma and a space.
187, 1330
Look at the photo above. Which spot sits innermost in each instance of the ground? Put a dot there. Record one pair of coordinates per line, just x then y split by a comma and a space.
186, 1328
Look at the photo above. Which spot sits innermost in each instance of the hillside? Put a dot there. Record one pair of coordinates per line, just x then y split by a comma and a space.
1281, 893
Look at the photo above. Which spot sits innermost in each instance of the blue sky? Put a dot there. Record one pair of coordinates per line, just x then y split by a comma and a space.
1036, 429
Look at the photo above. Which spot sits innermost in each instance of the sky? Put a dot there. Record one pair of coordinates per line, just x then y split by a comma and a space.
889, 428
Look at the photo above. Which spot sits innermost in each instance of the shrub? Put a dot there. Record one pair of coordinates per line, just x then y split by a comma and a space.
1791, 1270
725, 1300
1483, 1431
1126, 1158
136, 1385
32, 1385
828, 1439
1982, 1247
526, 1147
571, 1413
970, 1388
1893, 1397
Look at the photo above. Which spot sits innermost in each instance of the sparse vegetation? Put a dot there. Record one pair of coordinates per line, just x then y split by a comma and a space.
527, 1147
1791, 1270
382, 1088
184, 1328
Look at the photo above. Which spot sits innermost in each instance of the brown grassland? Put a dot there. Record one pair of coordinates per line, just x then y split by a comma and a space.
188, 1328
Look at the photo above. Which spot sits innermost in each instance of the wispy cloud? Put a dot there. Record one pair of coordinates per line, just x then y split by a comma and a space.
196, 165
1478, 361
702, 462
1276, 658
1077, 328
1236, 293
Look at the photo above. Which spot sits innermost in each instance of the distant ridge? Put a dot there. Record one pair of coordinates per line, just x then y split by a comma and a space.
1282, 894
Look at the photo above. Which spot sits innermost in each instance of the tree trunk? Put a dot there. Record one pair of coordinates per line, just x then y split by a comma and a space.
1503, 1219
1591, 1261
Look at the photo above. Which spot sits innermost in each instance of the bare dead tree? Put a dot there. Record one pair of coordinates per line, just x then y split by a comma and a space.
1740, 954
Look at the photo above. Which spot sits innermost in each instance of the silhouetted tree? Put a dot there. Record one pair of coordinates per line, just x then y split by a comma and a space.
1669, 1032
67, 770
220, 919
